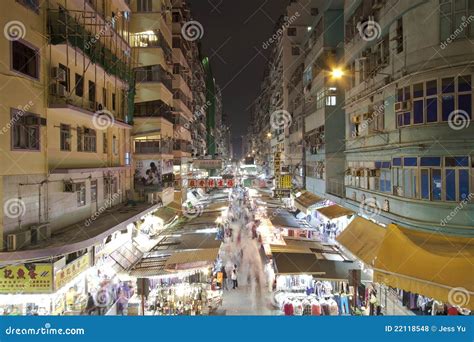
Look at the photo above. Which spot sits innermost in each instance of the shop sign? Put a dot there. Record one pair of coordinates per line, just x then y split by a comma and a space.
70, 271
207, 164
282, 193
26, 278
284, 182
211, 183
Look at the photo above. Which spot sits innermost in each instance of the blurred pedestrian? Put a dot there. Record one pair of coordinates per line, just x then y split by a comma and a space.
234, 279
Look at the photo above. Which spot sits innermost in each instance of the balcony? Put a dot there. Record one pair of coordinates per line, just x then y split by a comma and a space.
183, 146
65, 29
154, 73
153, 109
158, 146
150, 39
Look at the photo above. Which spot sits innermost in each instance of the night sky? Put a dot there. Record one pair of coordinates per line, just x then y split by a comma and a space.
234, 32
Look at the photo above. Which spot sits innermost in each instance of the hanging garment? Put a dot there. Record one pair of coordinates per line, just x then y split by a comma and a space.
315, 308
333, 308
298, 307
345, 305
306, 308
288, 309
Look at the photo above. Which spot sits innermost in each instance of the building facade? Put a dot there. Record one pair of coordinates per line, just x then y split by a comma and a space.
68, 137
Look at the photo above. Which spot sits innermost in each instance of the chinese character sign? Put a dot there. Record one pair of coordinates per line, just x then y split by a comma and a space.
70, 271
26, 278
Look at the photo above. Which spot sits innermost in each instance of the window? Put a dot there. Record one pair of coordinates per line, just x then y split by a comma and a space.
436, 184
94, 190
295, 50
453, 14
65, 137
114, 145
291, 31
418, 112
409, 182
128, 158
31, 4
104, 97
80, 139
386, 180
331, 97
81, 194
418, 90
114, 100
457, 178
67, 72
86, 140
425, 184
25, 59
104, 143
25, 130
92, 94
399, 37
79, 81
465, 94
144, 5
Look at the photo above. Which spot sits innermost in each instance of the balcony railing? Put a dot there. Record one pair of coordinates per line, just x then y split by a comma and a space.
154, 73
153, 109
159, 146
183, 146
63, 28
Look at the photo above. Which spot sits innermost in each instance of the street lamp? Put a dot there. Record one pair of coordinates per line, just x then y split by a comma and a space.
337, 73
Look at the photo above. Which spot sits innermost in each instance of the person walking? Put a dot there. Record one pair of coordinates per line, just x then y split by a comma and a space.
224, 279
90, 306
234, 279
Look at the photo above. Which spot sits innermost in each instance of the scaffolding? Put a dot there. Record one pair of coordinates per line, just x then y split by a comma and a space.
95, 36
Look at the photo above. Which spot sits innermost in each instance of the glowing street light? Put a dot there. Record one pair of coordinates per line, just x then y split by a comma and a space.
337, 73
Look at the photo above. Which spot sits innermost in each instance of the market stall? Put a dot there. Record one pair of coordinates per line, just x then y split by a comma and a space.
313, 278
333, 219
178, 282
416, 271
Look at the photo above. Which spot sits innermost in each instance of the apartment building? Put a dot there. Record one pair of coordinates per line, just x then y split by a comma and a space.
66, 133
408, 112
324, 123
153, 129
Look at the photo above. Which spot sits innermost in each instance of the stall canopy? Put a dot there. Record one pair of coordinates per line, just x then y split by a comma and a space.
282, 218
308, 263
150, 266
430, 264
362, 238
166, 214
306, 200
335, 211
192, 258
